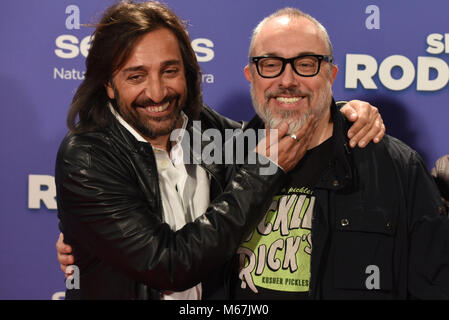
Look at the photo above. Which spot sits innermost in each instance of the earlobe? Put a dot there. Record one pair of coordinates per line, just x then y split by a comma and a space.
334, 72
110, 90
247, 73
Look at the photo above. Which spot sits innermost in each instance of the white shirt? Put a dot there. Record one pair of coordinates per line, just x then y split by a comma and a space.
184, 191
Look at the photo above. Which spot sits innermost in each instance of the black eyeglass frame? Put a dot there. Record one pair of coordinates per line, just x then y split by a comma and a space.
320, 58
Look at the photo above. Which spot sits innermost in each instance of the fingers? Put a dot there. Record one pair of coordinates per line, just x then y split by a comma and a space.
64, 255
65, 259
366, 114
362, 137
372, 131
290, 150
270, 141
381, 132
62, 247
282, 130
349, 112
368, 126
307, 130
271, 134
375, 133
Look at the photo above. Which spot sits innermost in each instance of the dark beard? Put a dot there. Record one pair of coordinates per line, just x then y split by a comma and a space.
133, 118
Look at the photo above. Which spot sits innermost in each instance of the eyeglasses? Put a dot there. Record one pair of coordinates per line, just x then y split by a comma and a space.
307, 65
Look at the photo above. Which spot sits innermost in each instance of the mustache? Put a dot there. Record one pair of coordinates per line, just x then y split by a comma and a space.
143, 102
285, 91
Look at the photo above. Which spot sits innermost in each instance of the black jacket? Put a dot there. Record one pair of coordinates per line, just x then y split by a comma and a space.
110, 212
376, 206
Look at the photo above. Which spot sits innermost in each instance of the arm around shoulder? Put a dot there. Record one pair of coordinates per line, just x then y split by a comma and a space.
104, 213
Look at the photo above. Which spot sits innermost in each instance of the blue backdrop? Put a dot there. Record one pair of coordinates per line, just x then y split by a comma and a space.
393, 54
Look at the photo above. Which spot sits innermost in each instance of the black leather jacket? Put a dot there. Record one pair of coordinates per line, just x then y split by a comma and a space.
110, 212
376, 206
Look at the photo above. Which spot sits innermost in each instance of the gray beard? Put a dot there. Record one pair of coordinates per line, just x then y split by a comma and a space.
294, 119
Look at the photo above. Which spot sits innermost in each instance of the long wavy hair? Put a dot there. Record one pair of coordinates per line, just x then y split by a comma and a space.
113, 40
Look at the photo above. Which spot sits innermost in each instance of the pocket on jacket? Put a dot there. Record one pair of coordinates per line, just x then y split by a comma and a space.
363, 244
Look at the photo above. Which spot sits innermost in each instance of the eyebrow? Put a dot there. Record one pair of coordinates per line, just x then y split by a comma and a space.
163, 65
131, 69
170, 62
272, 54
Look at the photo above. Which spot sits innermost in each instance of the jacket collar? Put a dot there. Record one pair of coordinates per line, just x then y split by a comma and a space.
128, 140
125, 137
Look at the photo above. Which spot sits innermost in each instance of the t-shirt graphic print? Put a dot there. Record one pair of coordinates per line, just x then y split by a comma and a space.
274, 260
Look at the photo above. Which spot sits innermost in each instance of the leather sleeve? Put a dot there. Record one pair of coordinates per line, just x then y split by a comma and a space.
102, 211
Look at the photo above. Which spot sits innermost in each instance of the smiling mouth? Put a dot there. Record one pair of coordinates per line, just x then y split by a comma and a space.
157, 109
289, 99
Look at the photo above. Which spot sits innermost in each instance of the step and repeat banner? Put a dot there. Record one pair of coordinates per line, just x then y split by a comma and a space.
394, 54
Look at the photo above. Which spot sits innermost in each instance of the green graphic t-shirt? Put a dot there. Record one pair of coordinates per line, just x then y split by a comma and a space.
274, 261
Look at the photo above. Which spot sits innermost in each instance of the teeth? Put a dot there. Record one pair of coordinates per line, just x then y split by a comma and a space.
159, 108
288, 100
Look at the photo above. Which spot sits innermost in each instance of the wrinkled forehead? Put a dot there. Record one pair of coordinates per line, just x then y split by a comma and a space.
289, 36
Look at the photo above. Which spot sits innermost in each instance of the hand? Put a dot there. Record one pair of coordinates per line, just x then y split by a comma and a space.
65, 256
290, 148
368, 124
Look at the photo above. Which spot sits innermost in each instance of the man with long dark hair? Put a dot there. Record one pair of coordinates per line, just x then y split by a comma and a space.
143, 224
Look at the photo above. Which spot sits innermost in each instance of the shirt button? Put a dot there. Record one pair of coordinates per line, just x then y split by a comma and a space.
344, 222
164, 164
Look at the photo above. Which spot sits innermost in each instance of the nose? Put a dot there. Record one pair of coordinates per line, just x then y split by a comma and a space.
155, 89
288, 78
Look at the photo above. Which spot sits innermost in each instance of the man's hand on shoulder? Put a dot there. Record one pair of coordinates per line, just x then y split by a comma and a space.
368, 124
